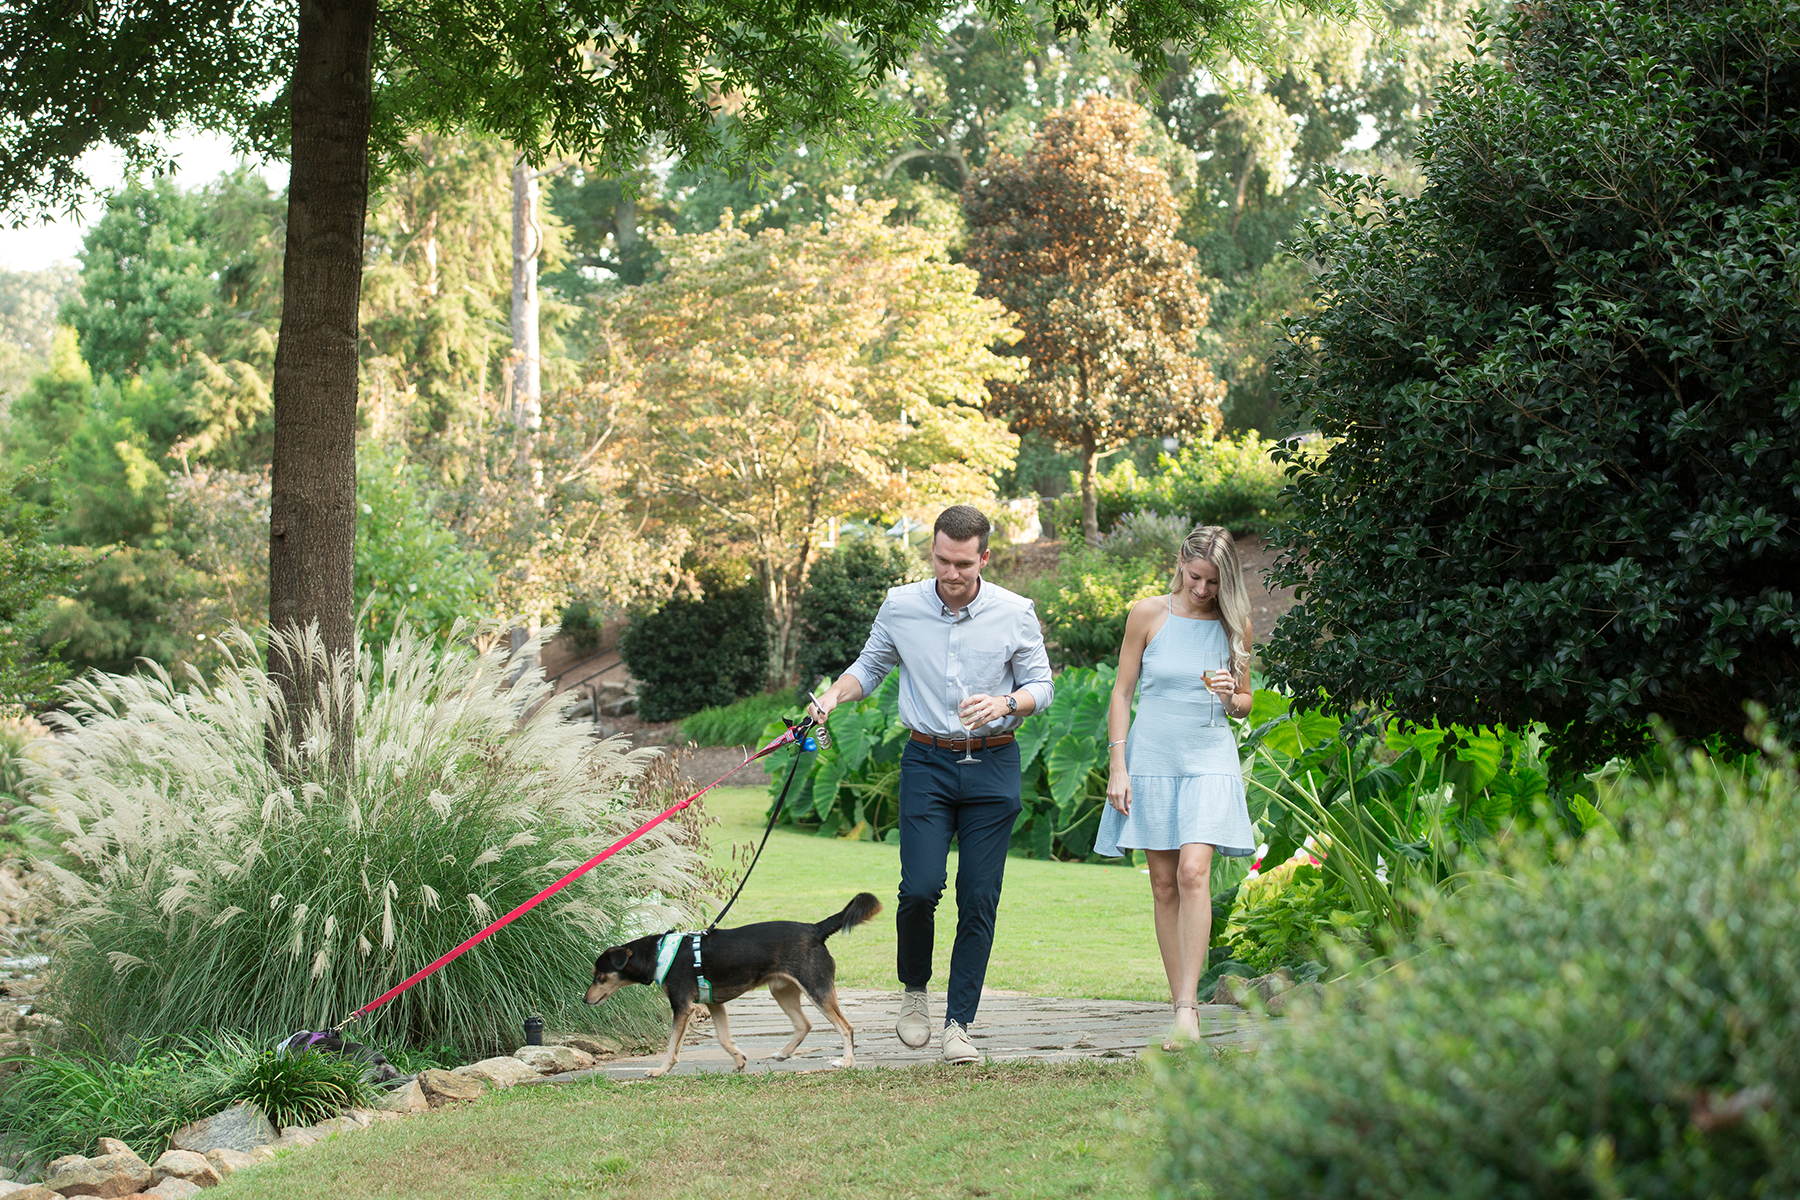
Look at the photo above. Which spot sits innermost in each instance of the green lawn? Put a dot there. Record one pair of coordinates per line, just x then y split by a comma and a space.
1065, 929
1003, 1131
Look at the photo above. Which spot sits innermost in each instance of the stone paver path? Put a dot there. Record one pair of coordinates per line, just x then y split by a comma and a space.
1011, 1027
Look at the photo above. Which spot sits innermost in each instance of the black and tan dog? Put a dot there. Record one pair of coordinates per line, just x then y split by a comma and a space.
787, 956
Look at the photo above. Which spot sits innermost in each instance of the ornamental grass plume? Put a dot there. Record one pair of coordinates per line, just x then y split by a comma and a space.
209, 888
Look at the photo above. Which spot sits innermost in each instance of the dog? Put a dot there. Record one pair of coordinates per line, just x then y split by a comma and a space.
789, 957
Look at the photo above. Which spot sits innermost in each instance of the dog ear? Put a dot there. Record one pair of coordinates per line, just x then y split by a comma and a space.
618, 956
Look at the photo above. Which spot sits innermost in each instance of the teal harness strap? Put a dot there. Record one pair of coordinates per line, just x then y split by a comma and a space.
665, 955
669, 946
706, 988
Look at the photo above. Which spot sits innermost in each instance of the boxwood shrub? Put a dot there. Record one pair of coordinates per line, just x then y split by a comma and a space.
696, 653
1616, 1022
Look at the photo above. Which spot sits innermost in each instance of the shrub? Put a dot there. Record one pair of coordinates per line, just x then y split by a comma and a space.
843, 594
1222, 481
1562, 384
410, 566
1084, 616
741, 722
696, 653
1616, 1023
31, 571
581, 627
65, 1103
213, 889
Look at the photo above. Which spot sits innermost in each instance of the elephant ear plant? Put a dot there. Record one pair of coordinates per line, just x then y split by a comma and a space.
206, 888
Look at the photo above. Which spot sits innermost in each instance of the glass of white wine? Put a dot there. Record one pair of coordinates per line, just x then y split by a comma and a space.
969, 723
1212, 676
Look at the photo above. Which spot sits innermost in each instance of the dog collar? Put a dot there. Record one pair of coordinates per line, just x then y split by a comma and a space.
665, 955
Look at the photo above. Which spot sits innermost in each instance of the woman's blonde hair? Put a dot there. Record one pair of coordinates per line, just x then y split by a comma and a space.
1214, 544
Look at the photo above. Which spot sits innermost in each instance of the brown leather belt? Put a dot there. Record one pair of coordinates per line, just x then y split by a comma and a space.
980, 743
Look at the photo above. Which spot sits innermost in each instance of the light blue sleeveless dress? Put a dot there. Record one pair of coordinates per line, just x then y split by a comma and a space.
1186, 781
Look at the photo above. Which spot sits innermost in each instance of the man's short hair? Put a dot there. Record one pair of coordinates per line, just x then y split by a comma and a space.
960, 522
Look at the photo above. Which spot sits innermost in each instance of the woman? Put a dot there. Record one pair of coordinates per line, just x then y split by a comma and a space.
1174, 787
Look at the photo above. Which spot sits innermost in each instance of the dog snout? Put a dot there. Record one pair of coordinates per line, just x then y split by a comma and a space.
600, 989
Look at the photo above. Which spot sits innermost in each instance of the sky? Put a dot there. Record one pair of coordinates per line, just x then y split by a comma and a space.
200, 158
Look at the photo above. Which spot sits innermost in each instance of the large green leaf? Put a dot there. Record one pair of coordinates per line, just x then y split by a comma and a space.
827, 775
1296, 735
1034, 735
1070, 761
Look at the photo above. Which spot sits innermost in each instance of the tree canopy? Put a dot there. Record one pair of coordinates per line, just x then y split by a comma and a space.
1559, 390
1078, 238
769, 382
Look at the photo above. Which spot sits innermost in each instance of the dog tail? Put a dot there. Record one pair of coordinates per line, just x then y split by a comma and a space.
855, 913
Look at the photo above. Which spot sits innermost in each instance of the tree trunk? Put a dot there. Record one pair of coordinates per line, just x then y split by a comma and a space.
1090, 497
312, 520
528, 240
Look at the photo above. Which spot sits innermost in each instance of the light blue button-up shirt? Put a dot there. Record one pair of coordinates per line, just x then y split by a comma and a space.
993, 646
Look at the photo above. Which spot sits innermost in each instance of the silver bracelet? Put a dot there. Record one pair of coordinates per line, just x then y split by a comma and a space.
1120, 742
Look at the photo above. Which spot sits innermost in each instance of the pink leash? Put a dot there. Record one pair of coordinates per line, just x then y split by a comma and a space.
440, 963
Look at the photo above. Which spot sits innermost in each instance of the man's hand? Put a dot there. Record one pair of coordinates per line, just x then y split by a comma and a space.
847, 687
983, 710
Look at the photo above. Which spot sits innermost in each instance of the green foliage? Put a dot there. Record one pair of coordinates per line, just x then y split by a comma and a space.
209, 886
300, 1089
844, 591
410, 567
29, 301
1618, 1021
581, 626
458, 63
64, 1103
1279, 917
1083, 611
1216, 481
852, 787
31, 572
698, 653
741, 722
1564, 482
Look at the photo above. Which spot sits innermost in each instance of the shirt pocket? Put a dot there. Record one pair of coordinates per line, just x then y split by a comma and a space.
984, 671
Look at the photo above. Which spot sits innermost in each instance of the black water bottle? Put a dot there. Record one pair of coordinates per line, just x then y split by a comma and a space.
534, 1031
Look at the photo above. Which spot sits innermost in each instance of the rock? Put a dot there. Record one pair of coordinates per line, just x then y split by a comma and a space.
1303, 997
1247, 993
185, 1164
599, 1047
300, 1135
174, 1189
441, 1087
500, 1072
242, 1127
115, 1146
27, 1191
407, 1099
107, 1175
361, 1116
227, 1161
554, 1060
619, 707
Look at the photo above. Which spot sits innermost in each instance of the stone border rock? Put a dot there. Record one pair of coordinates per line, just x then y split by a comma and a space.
205, 1152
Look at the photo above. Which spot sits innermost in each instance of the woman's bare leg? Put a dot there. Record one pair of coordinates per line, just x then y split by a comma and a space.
1193, 882
1165, 894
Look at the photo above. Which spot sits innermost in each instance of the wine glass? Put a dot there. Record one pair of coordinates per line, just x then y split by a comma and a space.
1211, 676
969, 723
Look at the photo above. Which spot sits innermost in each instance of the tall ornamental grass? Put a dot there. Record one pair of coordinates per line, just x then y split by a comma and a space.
1618, 1023
213, 889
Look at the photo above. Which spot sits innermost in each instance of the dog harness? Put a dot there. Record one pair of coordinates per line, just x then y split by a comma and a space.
670, 945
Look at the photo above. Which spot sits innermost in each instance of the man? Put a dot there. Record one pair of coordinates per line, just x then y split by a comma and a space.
953, 636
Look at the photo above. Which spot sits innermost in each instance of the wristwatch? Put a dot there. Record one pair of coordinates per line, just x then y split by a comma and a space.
1012, 704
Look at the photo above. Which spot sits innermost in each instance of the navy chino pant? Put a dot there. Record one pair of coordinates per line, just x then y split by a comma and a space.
976, 804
